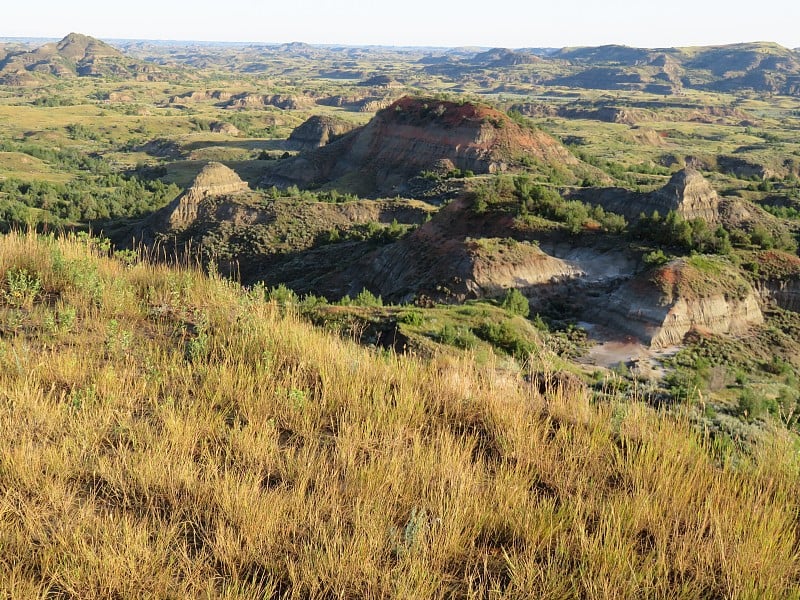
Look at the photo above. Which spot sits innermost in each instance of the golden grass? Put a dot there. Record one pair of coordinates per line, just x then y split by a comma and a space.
180, 437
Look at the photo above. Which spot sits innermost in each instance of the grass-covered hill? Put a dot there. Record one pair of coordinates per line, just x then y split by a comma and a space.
170, 434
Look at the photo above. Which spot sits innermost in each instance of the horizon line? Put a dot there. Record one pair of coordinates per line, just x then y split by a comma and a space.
376, 45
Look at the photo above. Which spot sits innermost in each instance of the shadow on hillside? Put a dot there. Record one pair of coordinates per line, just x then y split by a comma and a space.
268, 145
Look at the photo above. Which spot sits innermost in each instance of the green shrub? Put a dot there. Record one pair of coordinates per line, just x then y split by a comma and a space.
762, 237
22, 288
311, 302
656, 258
683, 383
516, 303
504, 337
748, 406
460, 337
777, 366
367, 298
412, 317
282, 295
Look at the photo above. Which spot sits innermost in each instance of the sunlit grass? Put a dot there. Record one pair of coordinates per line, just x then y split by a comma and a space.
181, 437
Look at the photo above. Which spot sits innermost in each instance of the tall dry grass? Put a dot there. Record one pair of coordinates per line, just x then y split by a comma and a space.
167, 434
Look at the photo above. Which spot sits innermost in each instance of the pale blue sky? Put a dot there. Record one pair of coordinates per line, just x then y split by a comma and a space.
510, 23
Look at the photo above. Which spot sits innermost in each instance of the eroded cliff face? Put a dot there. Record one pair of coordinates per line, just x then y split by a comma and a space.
440, 260
716, 314
784, 293
778, 280
661, 315
454, 270
280, 101
201, 96
414, 135
411, 135
777, 276
690, 195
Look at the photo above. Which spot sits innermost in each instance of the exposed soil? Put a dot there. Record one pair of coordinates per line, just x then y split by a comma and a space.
613, 348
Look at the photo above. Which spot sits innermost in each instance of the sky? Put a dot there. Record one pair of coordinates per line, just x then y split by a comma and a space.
491, 23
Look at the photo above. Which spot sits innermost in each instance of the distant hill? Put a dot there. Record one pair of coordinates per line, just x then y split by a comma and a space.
610, 54
503, 57
76, 55
760, 66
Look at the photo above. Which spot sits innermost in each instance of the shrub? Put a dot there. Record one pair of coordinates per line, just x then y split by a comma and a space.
412, 317
367, 298
22, 288
460, 337
613, 223
762, 237
504, 337
683, 383
516, 303
656, 258
777, 366
748, 407
282, 295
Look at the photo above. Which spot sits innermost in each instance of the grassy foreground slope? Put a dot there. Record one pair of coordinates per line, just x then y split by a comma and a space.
169, 434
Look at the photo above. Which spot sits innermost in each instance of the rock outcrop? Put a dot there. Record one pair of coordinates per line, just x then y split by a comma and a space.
500, 264
690, 195
704, 295
442, 262
224, 128
318, 131
743, 168
785, 293
214, 180
687, 193
276, 100
205, 96
714, 315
